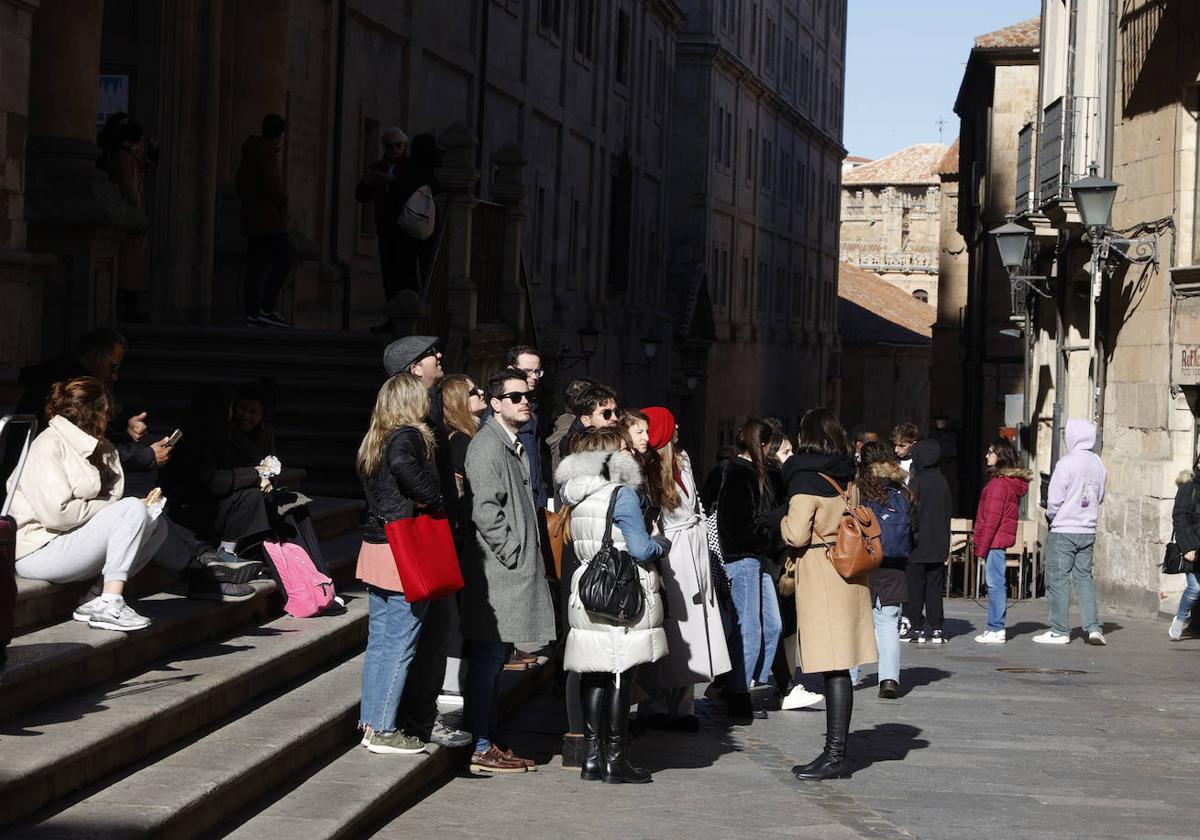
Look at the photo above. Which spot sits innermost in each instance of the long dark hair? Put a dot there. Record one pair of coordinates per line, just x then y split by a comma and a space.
822, 433
754, 440
872, 486
1007, 457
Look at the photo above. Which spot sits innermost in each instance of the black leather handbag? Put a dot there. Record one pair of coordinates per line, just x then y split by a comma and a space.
609, 585
1173, 562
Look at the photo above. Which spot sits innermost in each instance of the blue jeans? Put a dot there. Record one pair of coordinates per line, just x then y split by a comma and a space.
1069, 558
997, 584
1189, 597
393, 627
752, 642
887, 639
481, 701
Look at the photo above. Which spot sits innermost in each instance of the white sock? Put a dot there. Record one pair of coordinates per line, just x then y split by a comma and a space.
228, 545
110, 598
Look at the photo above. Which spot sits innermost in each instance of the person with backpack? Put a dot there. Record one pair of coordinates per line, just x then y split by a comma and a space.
881, 486
1185, 521
396, 465
833, 614
926, 567
996, 522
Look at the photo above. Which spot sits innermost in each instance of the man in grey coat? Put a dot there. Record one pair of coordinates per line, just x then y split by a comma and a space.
506, 598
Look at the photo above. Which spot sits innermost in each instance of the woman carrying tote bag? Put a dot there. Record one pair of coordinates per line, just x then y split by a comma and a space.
395, 463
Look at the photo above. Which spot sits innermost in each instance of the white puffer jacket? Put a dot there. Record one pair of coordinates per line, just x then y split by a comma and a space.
595, 643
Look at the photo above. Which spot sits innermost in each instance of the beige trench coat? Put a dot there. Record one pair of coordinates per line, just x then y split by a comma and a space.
833, 616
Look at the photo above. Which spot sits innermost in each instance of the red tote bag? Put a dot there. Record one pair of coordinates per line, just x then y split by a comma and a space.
423, 549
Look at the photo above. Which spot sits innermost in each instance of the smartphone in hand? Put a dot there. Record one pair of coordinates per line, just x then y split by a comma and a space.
175, 436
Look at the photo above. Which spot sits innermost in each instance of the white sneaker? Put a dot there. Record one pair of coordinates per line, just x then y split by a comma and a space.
800, 698
1176, 629
117, 615
992, 637
1052, 638
450, 700
1096, 638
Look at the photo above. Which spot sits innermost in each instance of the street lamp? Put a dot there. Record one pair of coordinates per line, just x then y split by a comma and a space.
588, 339
649, 351
1012, 240
1094, 197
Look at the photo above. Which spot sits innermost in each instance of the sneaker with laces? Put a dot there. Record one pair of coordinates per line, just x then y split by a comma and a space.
227, 567
1175, 631
800, 698
991, 637
936, 638
215, 590
117, 615
444, 736
395, 743
907, 633
1096, 638
90, 603
1052, 638
272, 318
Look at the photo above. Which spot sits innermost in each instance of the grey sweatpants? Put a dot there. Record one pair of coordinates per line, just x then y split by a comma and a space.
117, 541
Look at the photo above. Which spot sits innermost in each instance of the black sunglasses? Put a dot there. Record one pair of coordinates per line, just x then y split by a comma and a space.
610, 413
477, 392
515, 397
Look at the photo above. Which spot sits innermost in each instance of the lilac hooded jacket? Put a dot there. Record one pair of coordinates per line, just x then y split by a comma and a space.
1077, 485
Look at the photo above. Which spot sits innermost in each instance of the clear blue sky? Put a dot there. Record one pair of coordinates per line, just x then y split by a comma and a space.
904, 63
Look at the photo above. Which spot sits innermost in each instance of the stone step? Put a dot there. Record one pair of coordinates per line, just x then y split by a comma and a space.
356, 792
47, 664
185, 794
67, 745
40, 603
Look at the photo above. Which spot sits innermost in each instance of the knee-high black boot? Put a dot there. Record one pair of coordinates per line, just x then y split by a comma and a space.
594, 712
617, 769
839, 704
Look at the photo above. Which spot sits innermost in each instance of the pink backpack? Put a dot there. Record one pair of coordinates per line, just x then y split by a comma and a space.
308, 591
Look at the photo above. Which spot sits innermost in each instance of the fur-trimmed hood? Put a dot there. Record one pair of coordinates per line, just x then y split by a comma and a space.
889, 472
582, 474
1186, 476
1013, 472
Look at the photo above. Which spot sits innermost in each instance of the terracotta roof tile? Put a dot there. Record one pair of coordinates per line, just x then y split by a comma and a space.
914, 165
871, 310
949, 164
1027, 33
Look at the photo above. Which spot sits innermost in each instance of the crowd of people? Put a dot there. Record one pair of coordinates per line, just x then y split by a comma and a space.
734, 584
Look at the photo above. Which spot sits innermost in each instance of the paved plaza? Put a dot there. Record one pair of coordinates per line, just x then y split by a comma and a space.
982, 744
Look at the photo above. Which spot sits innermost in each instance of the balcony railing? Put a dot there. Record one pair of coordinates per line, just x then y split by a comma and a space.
1067, 140
1024, 198
1050, 153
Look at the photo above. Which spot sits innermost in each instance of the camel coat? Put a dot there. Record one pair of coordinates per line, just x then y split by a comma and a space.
833, 616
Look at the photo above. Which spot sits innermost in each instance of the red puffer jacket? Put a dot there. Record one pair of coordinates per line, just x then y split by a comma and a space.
999, 510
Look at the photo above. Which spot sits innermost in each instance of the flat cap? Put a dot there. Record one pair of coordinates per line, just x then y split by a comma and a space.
402, 353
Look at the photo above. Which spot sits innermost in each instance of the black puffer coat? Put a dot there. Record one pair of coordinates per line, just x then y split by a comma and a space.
406, 476
741, 505
1185, 516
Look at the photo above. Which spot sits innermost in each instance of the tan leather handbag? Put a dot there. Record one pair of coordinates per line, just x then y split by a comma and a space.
858, 547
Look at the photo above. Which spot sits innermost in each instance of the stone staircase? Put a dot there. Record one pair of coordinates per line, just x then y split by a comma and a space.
327, 382
218, 720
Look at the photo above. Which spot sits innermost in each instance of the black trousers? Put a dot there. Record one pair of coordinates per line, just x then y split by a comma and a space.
270, 253
926, 583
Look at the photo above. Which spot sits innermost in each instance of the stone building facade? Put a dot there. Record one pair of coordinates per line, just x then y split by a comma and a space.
999, 89
1118, 88
890, 211
756, 155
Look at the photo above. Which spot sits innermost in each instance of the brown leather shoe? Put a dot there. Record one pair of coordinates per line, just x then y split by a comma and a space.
529, 763
523, 656
493, 761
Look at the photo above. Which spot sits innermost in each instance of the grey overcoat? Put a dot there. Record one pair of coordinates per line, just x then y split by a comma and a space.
507, 596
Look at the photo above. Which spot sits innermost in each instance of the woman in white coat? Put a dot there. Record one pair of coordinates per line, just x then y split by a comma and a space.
599, 471
696, 648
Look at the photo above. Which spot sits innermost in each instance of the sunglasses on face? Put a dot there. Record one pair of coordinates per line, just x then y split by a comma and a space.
610, 413
477, 392
515, 397
114, 366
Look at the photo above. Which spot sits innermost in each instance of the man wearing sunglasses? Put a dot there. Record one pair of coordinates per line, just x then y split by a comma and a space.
595, 407
506, 598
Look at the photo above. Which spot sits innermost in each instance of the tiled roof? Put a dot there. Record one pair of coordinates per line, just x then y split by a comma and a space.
873, 311
949, 163
914, 165
1027, 33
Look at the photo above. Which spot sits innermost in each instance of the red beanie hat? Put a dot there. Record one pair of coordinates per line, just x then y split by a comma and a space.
662, 426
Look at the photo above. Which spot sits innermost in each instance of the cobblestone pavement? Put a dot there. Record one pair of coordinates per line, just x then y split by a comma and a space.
1109, 750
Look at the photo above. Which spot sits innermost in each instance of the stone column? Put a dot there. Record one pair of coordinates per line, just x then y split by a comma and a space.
74, 211
458, 175
509, 190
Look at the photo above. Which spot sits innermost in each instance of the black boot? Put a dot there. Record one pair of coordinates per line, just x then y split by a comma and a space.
592, 766
839, 704
617, 769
